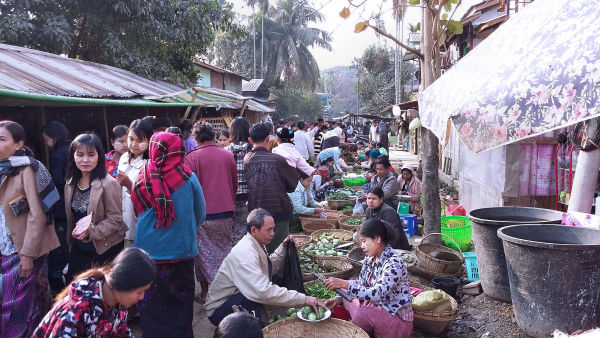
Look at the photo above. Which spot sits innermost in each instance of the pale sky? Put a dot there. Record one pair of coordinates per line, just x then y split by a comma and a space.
347, 45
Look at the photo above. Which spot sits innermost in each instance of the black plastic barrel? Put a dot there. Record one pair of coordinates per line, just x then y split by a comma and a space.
554, 274
490, 253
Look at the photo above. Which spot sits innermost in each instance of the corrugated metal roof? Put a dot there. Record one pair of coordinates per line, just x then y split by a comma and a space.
33, 71
251, 105
252, 85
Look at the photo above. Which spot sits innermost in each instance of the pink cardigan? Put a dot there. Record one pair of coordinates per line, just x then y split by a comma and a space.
414, 190
217, 173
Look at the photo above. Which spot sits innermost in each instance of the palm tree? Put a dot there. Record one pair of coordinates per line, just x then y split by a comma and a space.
287, 39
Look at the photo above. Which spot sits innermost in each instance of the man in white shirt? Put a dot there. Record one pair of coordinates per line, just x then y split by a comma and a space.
303, 142
373, 136
317, 128
244, 277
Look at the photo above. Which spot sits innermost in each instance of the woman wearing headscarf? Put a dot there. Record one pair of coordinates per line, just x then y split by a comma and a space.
409, 184
169, 204
321, 184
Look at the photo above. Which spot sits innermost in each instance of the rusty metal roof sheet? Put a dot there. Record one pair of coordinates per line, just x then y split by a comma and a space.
33, 71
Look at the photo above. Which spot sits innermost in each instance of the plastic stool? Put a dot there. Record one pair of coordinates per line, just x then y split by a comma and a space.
409, 223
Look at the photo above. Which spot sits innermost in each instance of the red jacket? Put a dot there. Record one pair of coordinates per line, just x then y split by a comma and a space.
217, 173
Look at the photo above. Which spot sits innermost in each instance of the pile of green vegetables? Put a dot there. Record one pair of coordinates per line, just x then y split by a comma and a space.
308, 313
291, 313
325, 246
342, 194
309, 264
354, 221
320, 291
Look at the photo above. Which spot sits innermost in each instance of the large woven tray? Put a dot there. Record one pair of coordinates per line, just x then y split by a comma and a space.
330, 328
344, 235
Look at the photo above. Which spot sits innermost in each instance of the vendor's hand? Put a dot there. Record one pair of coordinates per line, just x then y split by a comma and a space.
333, 302
314, 302
289, 239
362, 198
123, 180
25, 266
319, 210
336, 283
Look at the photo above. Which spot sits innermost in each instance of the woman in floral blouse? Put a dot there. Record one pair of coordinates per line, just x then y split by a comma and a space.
382, 299
95, 304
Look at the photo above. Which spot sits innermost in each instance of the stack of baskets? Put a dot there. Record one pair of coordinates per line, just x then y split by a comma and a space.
437, 261
301, 240
296, 328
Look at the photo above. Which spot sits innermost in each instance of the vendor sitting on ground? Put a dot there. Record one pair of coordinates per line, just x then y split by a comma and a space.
303, 201
409, 184
244, 277
382, 299
386, 180
376, 209
321, 183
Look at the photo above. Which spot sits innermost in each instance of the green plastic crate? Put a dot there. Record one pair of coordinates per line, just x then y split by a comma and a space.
459, 229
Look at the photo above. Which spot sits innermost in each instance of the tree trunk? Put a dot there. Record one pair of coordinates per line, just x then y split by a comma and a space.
430, 71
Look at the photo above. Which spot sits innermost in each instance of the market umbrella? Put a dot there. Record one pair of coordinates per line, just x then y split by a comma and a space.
538, 72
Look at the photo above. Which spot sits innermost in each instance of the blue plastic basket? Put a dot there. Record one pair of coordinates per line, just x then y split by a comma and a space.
409, 223
471, 264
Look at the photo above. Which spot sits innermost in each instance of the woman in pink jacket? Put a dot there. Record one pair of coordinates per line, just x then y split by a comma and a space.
287, 150
409, 184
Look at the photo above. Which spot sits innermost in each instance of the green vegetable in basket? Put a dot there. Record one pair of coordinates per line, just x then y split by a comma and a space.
354, 221
312, 316
290, 311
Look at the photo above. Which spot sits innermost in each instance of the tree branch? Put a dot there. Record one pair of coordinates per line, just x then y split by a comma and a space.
391, 37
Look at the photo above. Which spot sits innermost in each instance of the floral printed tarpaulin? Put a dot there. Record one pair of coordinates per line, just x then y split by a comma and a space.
538, 72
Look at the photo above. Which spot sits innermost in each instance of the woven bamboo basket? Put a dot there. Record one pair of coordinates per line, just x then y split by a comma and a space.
435, 322
301, 240
343, 226
296, 328
332, 218
347, 213
344, 235
342, 264
435, 265
417, 270
314, 225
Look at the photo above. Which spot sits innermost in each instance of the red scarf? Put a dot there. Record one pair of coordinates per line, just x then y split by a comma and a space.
164, 173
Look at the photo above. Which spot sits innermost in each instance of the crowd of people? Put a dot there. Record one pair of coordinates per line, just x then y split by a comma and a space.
131, 231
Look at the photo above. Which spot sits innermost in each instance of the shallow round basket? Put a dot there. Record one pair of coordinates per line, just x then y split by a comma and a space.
435, 265
349, 227
344, 235
301, 240
342, 264
296, 328
332, 217
347, 213
435, 322
314, 225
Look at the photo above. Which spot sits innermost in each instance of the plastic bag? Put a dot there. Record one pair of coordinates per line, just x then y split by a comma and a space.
432, 300
456, 210
292, 275
358, 209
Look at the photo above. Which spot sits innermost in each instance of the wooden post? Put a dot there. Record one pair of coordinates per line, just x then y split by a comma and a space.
43, 122
106, 134
189, 108
243, 107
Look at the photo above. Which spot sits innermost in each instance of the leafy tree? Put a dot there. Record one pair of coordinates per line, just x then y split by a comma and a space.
287, 39
338, 83
240, 62
297, 100
152, 38
376, 77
